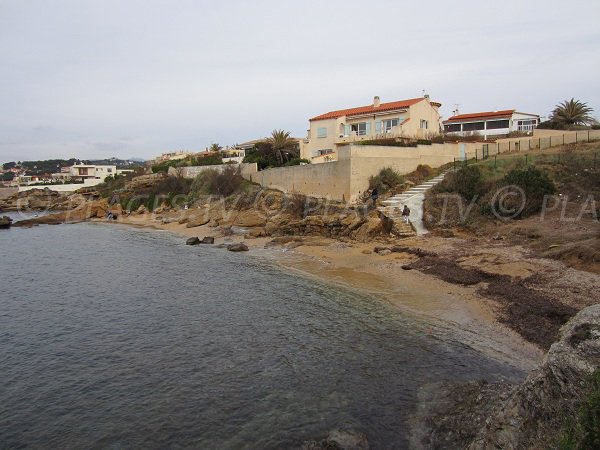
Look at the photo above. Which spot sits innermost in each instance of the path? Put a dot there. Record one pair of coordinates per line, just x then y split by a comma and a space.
414, 197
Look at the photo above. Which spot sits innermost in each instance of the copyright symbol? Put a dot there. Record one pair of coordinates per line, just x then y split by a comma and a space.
508, 202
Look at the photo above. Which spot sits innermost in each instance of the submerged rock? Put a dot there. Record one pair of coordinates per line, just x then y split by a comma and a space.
339, 440
207, 240
192, 241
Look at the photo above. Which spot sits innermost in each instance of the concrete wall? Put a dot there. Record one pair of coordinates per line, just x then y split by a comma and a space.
346, 178
247, 169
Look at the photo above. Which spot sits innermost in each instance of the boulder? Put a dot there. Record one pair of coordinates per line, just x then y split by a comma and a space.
197, 221
5, 222
238, 247
535, 412
142, 210
250, 218
256, 233
192, 241
207, 240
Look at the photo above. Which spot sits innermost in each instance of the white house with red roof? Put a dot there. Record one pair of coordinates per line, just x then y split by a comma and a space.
413, 118
491, 123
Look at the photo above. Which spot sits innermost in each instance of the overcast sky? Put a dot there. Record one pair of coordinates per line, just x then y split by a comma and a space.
135, 78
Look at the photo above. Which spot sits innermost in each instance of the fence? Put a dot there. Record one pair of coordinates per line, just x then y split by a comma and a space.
587, 161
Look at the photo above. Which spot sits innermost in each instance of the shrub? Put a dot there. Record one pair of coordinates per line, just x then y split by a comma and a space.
531, 181
468, 182
296, 162
210, 160
387, 179
224, 182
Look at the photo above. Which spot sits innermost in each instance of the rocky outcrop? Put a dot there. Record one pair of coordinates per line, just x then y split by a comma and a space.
38, 199
535, 412
93, 209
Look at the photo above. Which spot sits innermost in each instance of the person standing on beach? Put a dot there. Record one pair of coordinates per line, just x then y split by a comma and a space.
406, 213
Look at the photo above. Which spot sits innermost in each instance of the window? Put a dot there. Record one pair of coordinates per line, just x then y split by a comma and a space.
109, 170
496, 124
424, 124
326, 151
452, 128
526, 125
322, 132
360, 128
389, 124
474, 126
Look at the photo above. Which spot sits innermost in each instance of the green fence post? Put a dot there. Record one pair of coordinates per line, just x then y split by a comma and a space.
475, 155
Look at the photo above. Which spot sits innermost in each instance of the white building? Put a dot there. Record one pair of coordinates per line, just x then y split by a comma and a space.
491, 123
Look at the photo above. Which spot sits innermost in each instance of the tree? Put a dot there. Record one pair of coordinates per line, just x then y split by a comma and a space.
215, 148
283, 145
572, 112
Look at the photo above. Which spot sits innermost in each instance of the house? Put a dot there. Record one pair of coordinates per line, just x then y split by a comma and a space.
491, 123
414, 118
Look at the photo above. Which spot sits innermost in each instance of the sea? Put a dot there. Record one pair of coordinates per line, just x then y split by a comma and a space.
115, 337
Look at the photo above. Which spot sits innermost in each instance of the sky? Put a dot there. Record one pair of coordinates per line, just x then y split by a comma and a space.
134, 78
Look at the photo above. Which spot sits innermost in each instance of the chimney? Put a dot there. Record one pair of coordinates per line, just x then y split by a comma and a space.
426, 96
376, 101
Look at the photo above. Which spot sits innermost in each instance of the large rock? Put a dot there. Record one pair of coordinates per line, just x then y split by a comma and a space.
250, 218
192, 241
197, 221
535, 412
207, 240
239, 247
5, 222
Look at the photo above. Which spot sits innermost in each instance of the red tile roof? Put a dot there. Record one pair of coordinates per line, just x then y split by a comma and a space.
402, 104
506, 113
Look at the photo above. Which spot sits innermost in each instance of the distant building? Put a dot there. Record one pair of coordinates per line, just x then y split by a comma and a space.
412, 118
173, 156
491, 124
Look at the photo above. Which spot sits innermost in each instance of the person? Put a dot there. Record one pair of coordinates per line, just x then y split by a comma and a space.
374, 196
405, 213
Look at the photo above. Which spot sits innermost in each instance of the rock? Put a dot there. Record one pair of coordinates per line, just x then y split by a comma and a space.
250, 218
197, 221
213, 223
381, 249
256, 233
142, 210
192, 241
385, 251
339, 440
239, 247
406, 267
96, 208
535, 411
207, 240
5, 222
227, 231
367, 251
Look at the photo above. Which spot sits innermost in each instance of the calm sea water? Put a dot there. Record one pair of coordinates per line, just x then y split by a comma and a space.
119, 338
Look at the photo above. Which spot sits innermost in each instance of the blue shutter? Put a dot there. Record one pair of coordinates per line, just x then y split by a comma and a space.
378, 127
368, 128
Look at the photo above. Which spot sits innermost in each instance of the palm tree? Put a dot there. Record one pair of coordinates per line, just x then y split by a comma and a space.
284, 146
572, 112
215, 148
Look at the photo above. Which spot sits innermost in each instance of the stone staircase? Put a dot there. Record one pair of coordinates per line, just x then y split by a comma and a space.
392, 207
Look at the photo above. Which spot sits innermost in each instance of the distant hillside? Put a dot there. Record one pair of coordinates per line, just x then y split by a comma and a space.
54, 165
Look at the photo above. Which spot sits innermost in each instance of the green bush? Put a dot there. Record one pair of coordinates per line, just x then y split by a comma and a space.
210, 160
387, 179
468, 182
296, 162
532, 182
